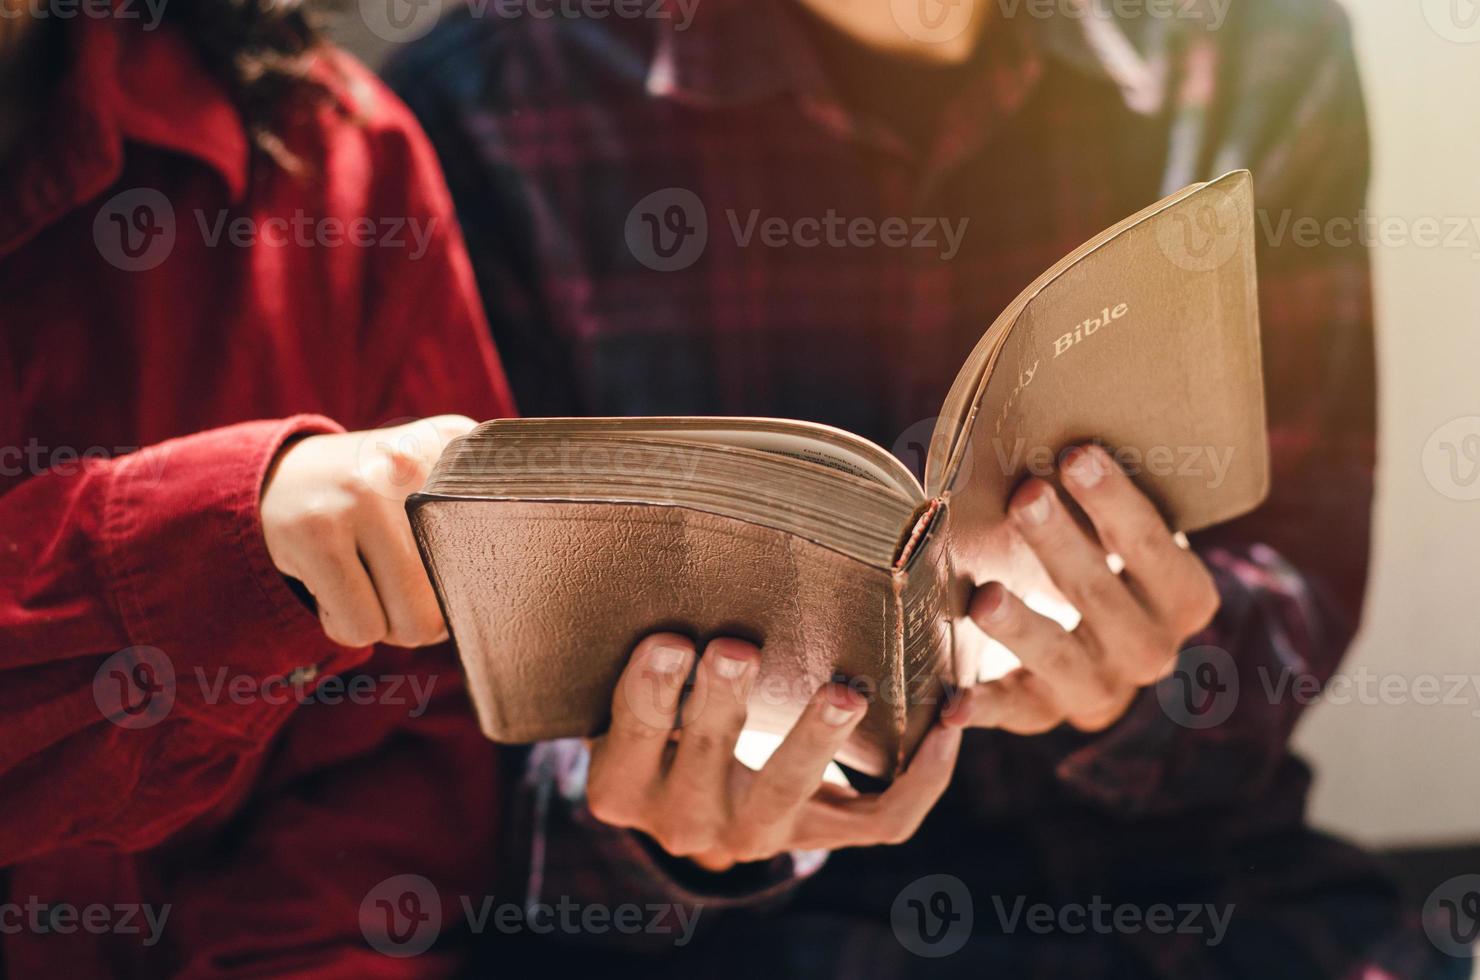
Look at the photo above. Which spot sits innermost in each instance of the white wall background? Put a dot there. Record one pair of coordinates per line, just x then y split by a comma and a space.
1406, 772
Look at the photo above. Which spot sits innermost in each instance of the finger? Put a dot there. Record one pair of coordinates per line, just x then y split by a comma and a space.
891, 817
1077, 565
429, 437
695, 804
1172, 580
395, 462
449, 427
627, 761
413, 618
1082, 685
1019, 703
645, 704
714, 715
332, 571
1114, 622
794, 771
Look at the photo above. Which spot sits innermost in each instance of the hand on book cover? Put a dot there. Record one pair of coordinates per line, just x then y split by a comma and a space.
673, 774
333, 514
1132, 624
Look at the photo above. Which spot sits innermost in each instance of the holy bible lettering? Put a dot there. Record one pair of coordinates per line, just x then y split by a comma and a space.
1081, 332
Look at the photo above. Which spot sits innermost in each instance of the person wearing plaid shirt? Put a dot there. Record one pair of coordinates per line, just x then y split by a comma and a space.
616, 178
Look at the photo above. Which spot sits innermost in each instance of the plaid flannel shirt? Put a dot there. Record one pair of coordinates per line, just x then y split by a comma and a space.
552, 131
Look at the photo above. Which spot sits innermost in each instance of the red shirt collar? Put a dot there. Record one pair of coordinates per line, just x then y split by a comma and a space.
123, 84
167, 99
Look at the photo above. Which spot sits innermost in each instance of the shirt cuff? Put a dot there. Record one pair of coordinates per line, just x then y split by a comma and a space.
183, 543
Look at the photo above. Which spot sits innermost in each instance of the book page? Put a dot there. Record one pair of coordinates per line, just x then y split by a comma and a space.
804, 441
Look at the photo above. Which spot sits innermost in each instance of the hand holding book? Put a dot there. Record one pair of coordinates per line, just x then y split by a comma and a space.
1131, 626
333, 519
676, 778
556, 544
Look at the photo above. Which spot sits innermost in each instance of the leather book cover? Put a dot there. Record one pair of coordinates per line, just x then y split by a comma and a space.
546, 599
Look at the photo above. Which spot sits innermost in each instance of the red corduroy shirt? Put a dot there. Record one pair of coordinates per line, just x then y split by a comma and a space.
171, 312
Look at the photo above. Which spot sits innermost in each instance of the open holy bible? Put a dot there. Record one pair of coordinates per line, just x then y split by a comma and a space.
556, 544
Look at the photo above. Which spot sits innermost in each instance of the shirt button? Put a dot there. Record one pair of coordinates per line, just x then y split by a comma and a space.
304, 675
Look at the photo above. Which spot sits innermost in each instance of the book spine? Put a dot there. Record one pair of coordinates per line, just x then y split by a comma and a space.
926, 641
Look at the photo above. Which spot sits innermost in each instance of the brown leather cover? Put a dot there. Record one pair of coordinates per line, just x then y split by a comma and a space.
547, 599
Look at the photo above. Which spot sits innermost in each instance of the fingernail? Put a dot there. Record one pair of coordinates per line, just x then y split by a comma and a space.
668, 660
731, 668
838, 708
1036, 510
1085, 466
993, 604
835, 716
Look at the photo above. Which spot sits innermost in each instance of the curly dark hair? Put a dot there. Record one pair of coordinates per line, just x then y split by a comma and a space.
261, 51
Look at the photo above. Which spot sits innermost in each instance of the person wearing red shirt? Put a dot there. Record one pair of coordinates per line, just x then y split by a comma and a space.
232, 283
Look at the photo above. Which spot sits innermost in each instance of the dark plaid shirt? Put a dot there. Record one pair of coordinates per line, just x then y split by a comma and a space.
606, 173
